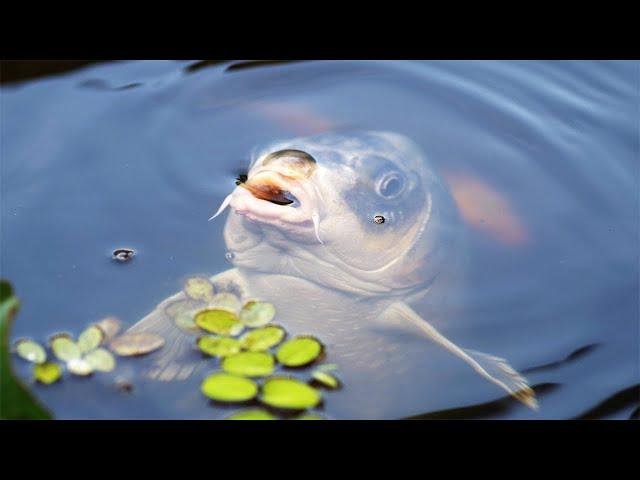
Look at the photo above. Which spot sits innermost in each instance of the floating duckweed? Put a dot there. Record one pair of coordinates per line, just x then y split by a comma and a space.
257, 314
218, 346
182, 307
262, 339
249, 364
31, 351
79, 366
47, 373
224, 387
253, 414
199, 288
288, 393
110, 327
186, 323
90, 339
219, 321
101, 360
226, 300
182, 312
131, 344
64, 348
299, 351
326, 379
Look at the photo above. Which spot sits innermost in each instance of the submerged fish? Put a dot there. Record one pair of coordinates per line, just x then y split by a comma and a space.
343, 232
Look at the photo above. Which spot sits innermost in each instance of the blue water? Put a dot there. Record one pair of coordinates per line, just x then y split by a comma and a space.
140, 154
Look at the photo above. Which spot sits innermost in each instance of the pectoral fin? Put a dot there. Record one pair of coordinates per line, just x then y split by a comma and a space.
179, 359
494, 369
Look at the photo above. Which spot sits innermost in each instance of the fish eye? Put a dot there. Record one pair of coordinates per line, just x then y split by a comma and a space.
390, 185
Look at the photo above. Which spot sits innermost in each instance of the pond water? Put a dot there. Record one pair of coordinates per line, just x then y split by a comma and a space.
541, 159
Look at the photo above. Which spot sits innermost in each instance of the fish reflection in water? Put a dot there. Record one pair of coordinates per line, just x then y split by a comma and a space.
333, 268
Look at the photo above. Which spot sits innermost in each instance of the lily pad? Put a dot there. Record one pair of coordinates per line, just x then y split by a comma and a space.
289, 393
257, 314
64, 348
325, 379
90, 339
299, 351
79, 366
218, 346
226, 300
249, 364
110, 327
101, 360
199, 288
31, 351
182, 312
47, 373
262, 339
224, 387
253, 414
140, 343
219, 321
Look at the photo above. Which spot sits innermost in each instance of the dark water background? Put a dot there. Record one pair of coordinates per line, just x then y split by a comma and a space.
140, 154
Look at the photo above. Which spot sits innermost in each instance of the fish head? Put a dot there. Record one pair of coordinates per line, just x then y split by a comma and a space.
360, 212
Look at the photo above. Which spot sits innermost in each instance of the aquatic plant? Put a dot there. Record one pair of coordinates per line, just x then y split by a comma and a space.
248, 365
16, 401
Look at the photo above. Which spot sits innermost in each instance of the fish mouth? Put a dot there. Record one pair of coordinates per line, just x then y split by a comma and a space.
270, 197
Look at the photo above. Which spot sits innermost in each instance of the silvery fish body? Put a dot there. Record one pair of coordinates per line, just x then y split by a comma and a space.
343, 233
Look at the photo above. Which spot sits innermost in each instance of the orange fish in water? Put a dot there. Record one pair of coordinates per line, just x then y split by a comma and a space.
485, 209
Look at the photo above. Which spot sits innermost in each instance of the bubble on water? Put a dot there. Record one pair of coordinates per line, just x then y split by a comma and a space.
229, 256
123, 254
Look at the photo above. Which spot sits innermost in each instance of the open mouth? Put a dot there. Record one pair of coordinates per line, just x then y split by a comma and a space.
270, 197
270, 192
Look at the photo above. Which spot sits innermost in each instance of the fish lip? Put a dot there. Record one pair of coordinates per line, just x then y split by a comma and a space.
244, 203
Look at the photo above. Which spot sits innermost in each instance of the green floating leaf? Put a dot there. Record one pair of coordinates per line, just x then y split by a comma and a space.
218, 346
249, 364
299, 351
79, 366
110, 327
47, 373
31, 351
219, 321
140, 343
101, 360
225, 300
289, 393
182, 313
262, 339
253, 414
257, 314
325, 379
64, 348
90, 339
224, 387
199, 288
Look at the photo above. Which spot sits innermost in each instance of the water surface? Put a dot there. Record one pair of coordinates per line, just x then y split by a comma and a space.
139, 154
